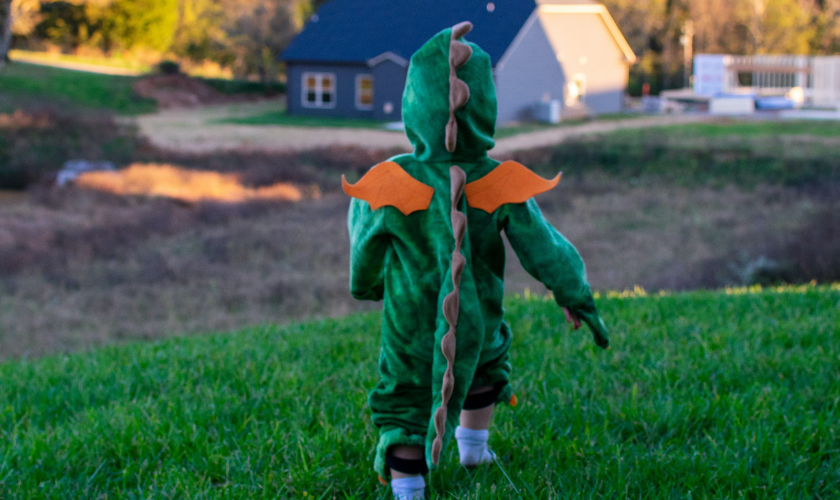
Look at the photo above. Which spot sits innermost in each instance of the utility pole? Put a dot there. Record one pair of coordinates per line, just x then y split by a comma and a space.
687, 41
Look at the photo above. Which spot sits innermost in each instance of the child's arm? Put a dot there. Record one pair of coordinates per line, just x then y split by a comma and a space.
369, 244
551, 259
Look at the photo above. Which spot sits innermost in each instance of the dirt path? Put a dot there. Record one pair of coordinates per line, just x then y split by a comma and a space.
194, 130
557, 135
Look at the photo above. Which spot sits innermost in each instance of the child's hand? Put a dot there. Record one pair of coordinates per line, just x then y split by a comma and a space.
571, 318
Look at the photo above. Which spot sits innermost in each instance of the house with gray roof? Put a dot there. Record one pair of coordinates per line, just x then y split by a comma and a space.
565, 56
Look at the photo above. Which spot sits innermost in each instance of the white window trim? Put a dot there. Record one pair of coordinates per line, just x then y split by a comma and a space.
359, 105
319, 92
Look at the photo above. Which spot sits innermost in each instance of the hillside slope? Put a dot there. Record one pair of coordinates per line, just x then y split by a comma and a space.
703, 395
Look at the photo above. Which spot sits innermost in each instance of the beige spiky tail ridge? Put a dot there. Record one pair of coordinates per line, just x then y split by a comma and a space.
451, 305
459, 93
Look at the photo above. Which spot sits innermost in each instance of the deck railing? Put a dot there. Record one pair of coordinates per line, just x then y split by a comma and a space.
817, 76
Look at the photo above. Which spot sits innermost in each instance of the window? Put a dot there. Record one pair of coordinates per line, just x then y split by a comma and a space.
318, 90
364, 92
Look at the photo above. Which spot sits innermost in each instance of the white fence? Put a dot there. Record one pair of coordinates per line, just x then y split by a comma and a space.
818, 76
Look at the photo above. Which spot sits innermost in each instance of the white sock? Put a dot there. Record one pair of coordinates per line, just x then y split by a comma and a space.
472, 446
409, 488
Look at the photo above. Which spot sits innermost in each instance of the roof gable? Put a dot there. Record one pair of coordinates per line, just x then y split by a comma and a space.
585, 7
360, 30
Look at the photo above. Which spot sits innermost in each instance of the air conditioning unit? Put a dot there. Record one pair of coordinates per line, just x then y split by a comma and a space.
548, 112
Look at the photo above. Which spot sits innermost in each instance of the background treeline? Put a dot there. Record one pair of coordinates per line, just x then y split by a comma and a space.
245, 35
654, 29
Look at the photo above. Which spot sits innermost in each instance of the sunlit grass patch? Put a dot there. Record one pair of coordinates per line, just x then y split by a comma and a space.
192, 186
74, 88
105, 63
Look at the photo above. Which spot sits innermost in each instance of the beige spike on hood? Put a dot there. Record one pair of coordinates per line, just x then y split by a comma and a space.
459, 91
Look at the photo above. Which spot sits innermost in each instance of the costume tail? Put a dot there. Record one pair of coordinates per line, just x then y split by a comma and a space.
451, 305
459, 93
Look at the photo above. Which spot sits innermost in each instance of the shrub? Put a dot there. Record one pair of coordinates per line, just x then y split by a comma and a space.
230, 87
813, 252
169, 68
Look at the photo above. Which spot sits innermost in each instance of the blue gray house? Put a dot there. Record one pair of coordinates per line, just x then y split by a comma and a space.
562, 57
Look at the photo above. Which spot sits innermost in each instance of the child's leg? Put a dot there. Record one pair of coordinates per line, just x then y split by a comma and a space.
478, 419
409, 453
407, 484
472, 435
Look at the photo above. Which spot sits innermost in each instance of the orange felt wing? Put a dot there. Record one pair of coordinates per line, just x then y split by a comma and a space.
510, 182
388, 184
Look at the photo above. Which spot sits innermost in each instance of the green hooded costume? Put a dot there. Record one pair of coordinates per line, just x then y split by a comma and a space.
425, 234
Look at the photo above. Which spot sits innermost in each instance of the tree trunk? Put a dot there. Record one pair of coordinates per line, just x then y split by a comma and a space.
5, 30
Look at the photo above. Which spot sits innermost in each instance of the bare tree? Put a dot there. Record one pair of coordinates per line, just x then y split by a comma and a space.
5, 30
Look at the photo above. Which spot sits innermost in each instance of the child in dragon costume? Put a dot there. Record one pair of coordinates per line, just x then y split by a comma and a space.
425, 233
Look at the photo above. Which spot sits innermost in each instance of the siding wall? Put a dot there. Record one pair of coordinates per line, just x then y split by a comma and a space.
388, 86
345, 103
600, 58
527, 74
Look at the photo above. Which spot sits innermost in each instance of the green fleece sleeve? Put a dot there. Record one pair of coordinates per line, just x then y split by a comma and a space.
550, 258
369, 245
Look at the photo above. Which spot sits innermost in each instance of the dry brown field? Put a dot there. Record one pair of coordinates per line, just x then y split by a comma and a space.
82, 268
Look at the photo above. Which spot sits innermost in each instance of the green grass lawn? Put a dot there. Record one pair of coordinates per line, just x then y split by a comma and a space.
47, 85
282, 118
753, 128
729, 152
702, 395
722, 128
510, 131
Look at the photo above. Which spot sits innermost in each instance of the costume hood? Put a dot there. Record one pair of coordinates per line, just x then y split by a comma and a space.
433, 91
